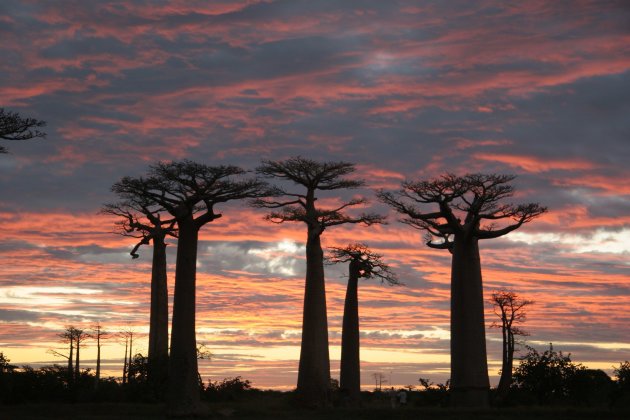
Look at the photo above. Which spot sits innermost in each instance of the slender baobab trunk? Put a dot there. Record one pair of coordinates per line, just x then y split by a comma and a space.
98, 359
350, 375
183, 395
70, 361
77, 370
130, 358
158, 325
508, 362
124, 378
469, 366
314, 371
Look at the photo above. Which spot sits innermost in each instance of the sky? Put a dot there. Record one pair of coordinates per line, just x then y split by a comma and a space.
406, 90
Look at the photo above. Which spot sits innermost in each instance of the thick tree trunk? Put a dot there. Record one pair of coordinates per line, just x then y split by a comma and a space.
158, 326
350, 375
183, 395
313, 387
469, 366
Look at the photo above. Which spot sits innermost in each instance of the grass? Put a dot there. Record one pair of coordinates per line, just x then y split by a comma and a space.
277, 406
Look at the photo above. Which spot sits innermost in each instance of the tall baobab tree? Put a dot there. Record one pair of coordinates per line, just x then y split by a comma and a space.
189, 192
363, 263
141, 218
15, 127
98, 334
127, 335
510, 308
67, 336
79, 337
312, 176
468, 210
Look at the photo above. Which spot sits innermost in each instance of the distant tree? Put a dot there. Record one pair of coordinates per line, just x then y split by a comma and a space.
127, 336
189, 192
15, 127
68, 336
363, 263
5, 364
141, 218
98, 334
79, 337
202, 354
622, 375
379, 380
547, 375
312, 177
138, 369
510, 308
468, 208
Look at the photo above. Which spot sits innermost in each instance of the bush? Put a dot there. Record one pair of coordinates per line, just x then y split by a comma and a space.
546, 377
229, 389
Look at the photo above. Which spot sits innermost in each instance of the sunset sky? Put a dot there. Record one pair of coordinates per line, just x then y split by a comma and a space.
403, 89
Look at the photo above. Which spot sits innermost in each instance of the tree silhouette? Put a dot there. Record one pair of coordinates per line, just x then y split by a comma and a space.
363, 264
15, 127
189, 192
79, 337
468, 208
314, 368
73, 337
142, 219
127, 335
98, 334
510, 308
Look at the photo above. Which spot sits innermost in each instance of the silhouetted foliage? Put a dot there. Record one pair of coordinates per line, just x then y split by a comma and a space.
431, 395
547, 376
15, 127
621, 395
229, 389
464, 210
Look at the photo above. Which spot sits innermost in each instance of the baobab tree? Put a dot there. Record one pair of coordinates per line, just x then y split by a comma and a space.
141, 218
15, 127
73, 337
510, 308
189, 192
98, 334
468, 210
67, 336
363, 263
312, 176
127, 336
79, 337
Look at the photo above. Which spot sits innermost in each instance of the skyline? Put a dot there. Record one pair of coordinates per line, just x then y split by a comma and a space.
405, 90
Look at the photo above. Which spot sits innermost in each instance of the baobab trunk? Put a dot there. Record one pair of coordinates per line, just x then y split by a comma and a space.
97, 378
183, 395
77, 370
70, 361
158, 326
469, 366
314, 371
506, 368
350, 375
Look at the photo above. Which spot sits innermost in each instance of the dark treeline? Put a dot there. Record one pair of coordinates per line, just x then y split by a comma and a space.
542, 379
